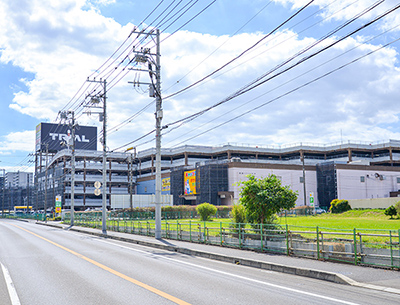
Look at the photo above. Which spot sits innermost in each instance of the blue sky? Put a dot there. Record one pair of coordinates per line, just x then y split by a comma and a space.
49, 48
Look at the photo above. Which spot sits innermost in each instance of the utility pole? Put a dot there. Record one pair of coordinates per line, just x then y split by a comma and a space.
45, 185
103, 116
36, 194
159, 116
130, 161
27, 194
130, 184
71, 144
145, 56
104, 207
73, 169
4, 189
304, 181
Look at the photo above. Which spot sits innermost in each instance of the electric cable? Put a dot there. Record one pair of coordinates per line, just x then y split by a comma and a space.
289, 92
252, 85
241, 54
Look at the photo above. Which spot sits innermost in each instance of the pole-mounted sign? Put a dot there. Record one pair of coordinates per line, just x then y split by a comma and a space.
58, 204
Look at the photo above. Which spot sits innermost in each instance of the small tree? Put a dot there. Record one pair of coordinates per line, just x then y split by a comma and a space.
391, 211
263, 198
206, 210
238, 215
339, 206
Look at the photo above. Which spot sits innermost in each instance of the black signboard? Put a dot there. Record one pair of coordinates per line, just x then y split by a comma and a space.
57, 137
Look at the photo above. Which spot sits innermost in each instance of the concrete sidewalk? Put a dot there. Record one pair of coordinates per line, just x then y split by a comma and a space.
367, 277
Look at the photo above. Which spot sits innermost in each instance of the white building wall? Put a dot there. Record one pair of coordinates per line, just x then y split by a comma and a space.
288, 177
349, 185
18, 179
139, 201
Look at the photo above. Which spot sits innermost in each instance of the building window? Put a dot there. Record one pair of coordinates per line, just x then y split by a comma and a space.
301, 180
398, 179
362, 178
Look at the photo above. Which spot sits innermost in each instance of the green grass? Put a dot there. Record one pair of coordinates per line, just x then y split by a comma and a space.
373, 225
364, 221
359, 219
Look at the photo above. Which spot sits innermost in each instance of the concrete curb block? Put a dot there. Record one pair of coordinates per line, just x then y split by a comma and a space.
311, 273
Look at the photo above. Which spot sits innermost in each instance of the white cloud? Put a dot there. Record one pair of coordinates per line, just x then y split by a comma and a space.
18, 141
62, 42
356, 95
346, 9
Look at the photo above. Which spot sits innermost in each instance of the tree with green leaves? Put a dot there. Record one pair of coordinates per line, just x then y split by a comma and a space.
238, 216
397, 207
391, 211
263, 198
206, 210
339, 206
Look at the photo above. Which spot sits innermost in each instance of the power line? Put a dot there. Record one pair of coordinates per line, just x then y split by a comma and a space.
191, 117
257, 82
289, 92
237, 31
279, 43
279, 86
241, 54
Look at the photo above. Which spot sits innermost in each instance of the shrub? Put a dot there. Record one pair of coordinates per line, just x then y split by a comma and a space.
391, 211
339, 206
238, 214
223, 211
397, 207
206, 210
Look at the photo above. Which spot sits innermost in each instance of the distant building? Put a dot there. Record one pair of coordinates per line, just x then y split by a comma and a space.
18, 179
195, 174
56, 180
18, 189
343, 170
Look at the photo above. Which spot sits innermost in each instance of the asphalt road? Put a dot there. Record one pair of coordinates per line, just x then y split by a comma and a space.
43, 265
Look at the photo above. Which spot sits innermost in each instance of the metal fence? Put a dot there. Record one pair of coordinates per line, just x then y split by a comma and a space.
141, 215
25, 216
356, 246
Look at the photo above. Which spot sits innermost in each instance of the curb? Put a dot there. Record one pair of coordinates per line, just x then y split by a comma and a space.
311, 273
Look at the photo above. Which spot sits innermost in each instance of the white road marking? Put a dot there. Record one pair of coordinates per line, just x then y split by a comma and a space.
10, 286
237, 276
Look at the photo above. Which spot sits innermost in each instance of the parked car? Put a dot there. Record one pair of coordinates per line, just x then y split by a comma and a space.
319, 211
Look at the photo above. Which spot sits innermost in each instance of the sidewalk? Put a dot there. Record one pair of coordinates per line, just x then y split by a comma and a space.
367, 277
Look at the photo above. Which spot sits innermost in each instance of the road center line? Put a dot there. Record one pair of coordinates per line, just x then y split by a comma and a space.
119, 274
237, 276
10, 286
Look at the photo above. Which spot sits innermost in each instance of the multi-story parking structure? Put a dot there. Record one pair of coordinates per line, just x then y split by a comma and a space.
88, 170
351, 170
348, 170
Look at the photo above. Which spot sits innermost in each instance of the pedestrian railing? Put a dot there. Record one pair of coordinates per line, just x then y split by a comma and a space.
356, 246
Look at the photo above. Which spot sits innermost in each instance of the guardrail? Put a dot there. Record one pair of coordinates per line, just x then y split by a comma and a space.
357, 246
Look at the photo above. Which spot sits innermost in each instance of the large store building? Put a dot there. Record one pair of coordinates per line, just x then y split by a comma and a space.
344, 171
196, 174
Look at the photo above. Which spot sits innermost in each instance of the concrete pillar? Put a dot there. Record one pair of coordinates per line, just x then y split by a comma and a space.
350, 155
